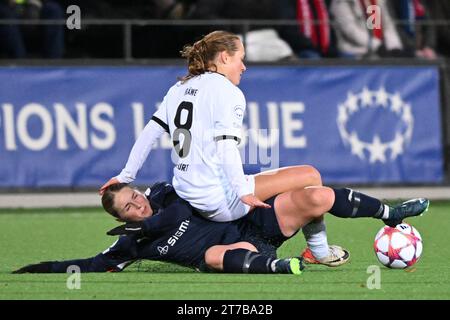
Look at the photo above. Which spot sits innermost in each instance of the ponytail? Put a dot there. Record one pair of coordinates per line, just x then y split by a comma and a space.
201, 55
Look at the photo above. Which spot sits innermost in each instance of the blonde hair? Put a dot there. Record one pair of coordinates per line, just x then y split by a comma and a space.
201, 54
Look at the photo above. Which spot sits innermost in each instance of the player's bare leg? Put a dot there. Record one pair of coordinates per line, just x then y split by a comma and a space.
214, 255
270, 183
306, 210
273, 182
243, 257
295, 209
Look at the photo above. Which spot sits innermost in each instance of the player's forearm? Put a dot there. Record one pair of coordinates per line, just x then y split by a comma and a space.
98, 263
232, 165
140, 151
81, 265
166, 219
69, 266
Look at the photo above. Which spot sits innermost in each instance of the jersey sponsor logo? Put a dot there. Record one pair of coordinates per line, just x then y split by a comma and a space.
376, 146
174, 238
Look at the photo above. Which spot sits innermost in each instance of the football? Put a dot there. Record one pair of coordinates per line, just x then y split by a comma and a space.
398, 247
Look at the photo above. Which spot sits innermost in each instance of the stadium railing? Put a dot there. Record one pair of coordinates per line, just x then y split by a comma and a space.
241, 26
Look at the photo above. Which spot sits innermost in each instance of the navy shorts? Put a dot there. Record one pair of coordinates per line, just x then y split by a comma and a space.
260, 227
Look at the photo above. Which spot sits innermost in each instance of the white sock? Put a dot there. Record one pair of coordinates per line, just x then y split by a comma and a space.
316, 237
386, 212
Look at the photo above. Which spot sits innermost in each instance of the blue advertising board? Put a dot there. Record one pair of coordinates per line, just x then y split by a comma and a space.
75, 126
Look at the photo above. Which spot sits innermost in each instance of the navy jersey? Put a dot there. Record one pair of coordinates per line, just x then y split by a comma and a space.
176, 233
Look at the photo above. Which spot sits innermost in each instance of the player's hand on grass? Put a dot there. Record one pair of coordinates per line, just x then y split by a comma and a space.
111, 181
42, 267
127, 229
253, 201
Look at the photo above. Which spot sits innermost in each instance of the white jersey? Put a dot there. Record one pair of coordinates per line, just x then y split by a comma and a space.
197, 114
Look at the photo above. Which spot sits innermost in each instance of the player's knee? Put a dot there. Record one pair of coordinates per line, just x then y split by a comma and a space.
214, 258
320, 199
310, 174
215, 254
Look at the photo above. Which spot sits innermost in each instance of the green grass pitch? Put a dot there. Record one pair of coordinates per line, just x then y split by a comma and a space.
29, 236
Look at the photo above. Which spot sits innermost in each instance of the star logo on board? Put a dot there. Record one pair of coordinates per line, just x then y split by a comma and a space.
376, 149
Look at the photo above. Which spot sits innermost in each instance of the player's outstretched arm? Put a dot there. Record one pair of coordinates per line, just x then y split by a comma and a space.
84, 265
138, 154
100, 263
42, 267
130, 228
229, 156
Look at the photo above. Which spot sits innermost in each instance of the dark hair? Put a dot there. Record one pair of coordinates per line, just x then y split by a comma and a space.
201, 54
108, 199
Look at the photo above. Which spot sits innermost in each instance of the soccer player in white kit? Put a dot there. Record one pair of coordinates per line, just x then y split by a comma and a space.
203, 114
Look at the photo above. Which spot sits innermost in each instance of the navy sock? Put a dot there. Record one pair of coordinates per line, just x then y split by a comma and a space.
246, 261
352, 204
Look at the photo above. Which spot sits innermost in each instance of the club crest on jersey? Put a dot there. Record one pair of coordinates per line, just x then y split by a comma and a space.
378, 106
163, 250
239, 112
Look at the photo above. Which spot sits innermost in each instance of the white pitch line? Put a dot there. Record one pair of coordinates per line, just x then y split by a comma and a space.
92, 199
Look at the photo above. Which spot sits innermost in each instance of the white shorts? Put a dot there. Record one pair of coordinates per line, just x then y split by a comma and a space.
230, 209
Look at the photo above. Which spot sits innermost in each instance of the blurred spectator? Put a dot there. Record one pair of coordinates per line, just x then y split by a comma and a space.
313, 36
355, 39
19, 40
164, 41
262, 41
440, 10
229, 10
107, 40
419, 38
119, 9
306, 40
264, 45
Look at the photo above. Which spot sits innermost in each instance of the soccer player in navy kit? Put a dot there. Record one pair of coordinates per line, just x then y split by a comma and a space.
164, 227
173, 232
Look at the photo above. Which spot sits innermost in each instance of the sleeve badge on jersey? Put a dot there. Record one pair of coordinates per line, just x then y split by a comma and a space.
239, 112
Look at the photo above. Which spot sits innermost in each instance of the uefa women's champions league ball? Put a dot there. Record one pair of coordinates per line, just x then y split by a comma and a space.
398, 247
